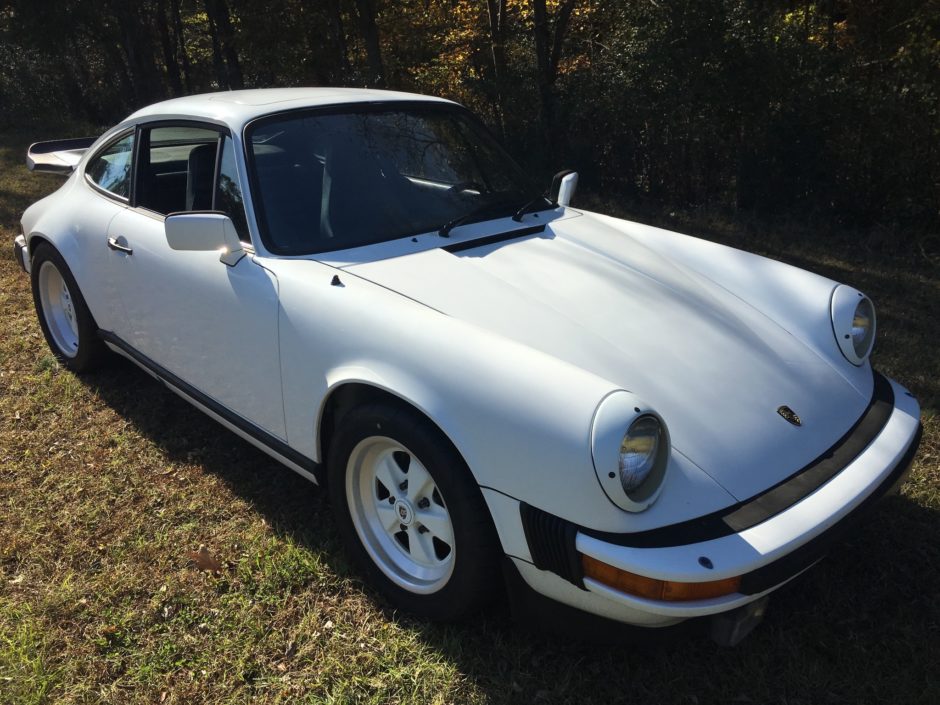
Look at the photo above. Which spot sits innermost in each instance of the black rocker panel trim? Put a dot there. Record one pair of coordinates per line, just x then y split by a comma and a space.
776, 499
242, 424
501, 237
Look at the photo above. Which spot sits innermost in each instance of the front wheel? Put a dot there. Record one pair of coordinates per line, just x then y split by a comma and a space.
410, 513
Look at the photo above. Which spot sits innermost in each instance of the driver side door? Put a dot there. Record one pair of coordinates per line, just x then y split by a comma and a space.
212, 326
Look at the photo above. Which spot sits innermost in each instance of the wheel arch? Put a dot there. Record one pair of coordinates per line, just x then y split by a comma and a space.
348, 393
34, 240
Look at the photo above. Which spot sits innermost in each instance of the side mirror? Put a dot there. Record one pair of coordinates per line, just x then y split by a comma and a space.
564, 184
203, 231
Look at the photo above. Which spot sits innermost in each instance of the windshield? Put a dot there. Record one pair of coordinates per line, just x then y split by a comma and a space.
325, 181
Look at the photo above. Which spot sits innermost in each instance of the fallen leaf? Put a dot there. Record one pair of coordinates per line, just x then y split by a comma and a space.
204, 560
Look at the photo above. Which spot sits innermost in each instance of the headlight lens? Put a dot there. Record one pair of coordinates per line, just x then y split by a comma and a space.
862, 327
630, 449
854, 323
639, 451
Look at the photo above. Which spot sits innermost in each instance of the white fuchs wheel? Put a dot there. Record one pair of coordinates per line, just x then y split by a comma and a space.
67, 324
410, 514
400, 515
58, 309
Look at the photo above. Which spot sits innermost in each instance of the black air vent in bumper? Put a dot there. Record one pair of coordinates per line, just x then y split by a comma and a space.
552, 543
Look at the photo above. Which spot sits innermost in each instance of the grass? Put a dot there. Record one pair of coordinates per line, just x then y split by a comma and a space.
108, 484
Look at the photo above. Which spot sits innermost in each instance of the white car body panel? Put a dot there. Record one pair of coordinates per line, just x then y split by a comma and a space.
226, 341
796, 300
77, 224
543, 291
510, 348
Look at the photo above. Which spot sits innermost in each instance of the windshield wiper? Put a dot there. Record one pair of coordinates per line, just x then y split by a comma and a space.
528, 205
468, 217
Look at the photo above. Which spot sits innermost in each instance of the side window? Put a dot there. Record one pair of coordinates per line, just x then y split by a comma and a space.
228, 194
177, 169
111, 169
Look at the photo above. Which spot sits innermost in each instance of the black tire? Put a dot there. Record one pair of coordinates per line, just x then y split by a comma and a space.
90, 351
475, 578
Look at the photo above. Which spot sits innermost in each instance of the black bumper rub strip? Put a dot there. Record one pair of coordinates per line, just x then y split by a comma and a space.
259, 434
809, 553
776, 499
552, 543
501, 237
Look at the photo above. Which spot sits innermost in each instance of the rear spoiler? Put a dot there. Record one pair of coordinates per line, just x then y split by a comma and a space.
57, 156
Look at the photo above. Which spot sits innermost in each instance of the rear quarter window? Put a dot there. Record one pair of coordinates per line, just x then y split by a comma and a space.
110, 169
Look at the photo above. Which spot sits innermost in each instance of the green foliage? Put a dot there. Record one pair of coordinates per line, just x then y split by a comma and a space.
824, 110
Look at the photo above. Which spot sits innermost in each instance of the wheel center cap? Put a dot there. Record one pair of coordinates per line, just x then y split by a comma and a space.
405, 513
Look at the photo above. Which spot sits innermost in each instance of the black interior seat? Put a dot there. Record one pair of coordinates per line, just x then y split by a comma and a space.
200, 171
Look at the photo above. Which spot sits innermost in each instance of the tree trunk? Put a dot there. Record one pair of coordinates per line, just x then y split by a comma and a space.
497, 16
543, 69
218, 62
370, 35
136, 40
548, 47
181, 44
224, 35
169, 54
336, 21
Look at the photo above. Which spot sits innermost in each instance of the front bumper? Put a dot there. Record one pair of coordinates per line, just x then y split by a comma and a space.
765, 555
21, 253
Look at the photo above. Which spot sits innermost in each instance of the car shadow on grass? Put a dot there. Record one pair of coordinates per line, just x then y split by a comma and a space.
862, 626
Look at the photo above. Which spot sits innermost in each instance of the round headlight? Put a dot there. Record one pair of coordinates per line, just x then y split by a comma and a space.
639, 451
863, 327
630, 447
853, 322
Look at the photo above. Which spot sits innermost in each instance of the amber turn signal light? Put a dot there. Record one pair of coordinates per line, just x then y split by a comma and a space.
652, 589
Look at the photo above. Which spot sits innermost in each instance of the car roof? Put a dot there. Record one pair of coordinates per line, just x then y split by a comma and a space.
235, 108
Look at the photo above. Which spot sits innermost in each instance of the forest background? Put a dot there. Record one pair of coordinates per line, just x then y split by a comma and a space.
823, 113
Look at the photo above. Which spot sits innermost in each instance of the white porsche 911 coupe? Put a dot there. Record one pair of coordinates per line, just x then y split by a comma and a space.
633, 425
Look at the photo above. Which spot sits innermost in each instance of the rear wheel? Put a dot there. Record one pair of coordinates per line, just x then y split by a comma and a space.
410, 513
64, 318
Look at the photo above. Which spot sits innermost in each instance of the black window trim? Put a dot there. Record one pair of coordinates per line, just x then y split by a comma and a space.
376, 106
124, 200
222, 131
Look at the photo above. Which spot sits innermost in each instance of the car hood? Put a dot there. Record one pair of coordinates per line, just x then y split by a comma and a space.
715, 368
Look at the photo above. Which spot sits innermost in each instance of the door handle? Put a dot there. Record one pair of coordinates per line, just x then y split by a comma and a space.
115, 245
